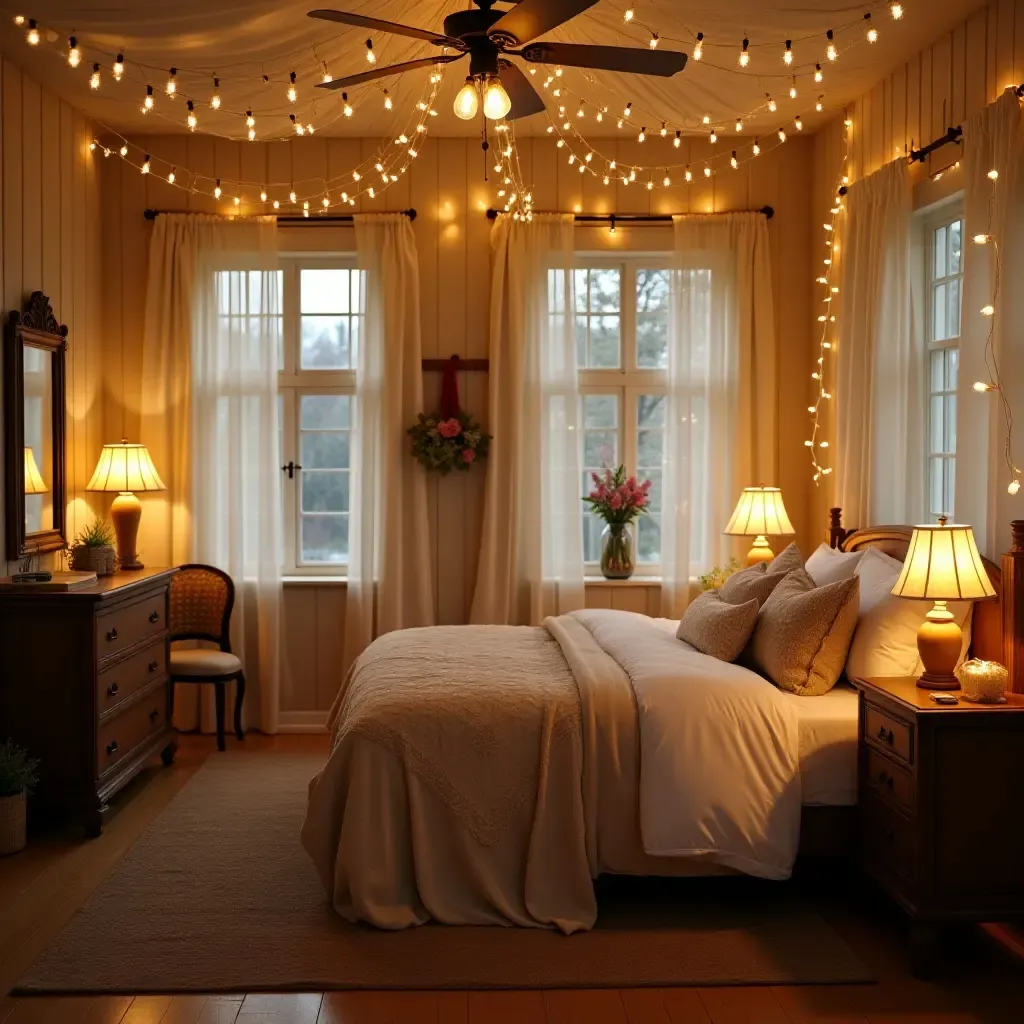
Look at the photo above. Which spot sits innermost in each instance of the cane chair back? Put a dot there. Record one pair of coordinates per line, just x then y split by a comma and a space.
202, 597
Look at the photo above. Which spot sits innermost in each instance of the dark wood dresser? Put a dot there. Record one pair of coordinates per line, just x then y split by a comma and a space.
85, 688
939, 799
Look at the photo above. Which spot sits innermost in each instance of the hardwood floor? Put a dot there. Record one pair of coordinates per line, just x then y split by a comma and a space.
41, 888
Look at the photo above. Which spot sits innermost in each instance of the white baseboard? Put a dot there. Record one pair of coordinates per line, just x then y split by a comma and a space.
302, 721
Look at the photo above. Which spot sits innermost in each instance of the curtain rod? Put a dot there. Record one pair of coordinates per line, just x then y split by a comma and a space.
336, 218
952, 135
636, 218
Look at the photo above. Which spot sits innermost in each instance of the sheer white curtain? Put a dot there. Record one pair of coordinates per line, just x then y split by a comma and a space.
721, 432
531, 558
993, 140
389, 572
210, 362
880, 376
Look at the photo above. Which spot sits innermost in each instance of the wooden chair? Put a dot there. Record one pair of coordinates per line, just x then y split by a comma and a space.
202, 598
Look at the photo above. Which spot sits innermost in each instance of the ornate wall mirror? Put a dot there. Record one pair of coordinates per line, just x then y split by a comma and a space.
35, 497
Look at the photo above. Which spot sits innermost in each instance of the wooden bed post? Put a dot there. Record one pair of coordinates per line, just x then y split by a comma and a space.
836, 533
1013, 608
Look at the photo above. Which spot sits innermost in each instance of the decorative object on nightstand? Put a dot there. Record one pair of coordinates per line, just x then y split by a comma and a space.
983, 682
942, 564
93, 550
34, 482
17, 777
123, 469
760, 513
937, 787
202, 597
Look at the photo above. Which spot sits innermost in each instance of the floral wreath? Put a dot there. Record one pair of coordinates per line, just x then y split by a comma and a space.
449, 438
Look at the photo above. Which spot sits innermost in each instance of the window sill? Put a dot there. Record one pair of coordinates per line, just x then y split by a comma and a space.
633, 581
314, 581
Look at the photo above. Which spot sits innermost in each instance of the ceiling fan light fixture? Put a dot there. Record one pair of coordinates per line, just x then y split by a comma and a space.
496, 101
466, 101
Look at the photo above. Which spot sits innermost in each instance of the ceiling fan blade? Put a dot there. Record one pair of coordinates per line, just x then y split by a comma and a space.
525, 99
376, 25
532, 18
606, 58
390, 69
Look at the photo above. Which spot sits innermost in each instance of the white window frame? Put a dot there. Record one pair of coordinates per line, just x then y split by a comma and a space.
293, 383
943, 216
627, 381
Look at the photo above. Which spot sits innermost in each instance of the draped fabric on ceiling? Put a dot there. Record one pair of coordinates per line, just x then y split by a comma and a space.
389, 573
993, 140
210, 350
721, 414
879, 389
531, 557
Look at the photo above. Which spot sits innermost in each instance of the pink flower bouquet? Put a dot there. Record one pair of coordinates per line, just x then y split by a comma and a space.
441, 444
618, 499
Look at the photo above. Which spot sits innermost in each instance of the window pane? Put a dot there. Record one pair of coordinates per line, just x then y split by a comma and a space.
949, 485
604, 342
324, 538
648, 539
935, 487
600, 411
325, 491
650, 411
940, 330
325, 343
954, 247
651, 291
952, 368
580, 333
327, 291
605, 291
580, 289
556, 291
939, 249
325, 451
599, 449
329, 412
652, 341
950, 434
953, 323
938, 374
937, 419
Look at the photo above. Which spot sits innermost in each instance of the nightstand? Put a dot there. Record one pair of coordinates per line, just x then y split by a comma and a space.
940, 812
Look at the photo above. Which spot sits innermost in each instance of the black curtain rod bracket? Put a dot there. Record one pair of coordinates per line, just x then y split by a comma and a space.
635, 218
952, 135
286, 218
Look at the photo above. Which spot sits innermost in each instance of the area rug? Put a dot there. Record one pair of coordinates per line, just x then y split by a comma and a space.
217, 894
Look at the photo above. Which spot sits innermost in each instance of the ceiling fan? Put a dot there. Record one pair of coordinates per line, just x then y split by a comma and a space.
488, 36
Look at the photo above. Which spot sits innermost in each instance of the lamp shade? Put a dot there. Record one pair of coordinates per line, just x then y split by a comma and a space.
760, 512
34, 482
943, 564
125, 467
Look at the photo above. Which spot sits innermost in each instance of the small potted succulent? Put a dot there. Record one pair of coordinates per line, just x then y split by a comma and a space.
93, 550
17, 777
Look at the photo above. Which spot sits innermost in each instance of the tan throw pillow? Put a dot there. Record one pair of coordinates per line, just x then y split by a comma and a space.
753, 583
803, 633
717, 628
787, 560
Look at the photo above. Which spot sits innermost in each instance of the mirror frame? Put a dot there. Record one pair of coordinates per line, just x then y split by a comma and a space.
36, 325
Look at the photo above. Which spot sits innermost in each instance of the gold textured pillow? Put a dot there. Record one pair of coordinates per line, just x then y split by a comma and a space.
717, 628
751, 583
786, 560
803, 633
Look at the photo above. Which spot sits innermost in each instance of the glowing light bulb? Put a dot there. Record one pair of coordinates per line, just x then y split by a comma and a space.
215, 98
739, 125
94, 78
653, 42
347, 108
733, 161
782, 135
981, 239
74, 53
744, 54
92, 146
496, 101
642, 135
818, 76
276, 204
299, 129
326, 202
787, 57
250, 121
755, 149
371, 57
252, 134
993, 174
19, 20
32, 36
772, 105
988, 310
124, 149
217, 190
650, 184
118, 68
981, 386
263, 195
872, 33
466, 101
192, 120
387, 101
688, 175
706, 119
830, 49
819, 105
627, 14
292, 196
171, 176
293, 93
1013, 487
896, 10
677, 141
707, 171
172, 85
145, 165
666, 181
238, 200
792, 89
713, 137
326, 76
356, 175
798, 124
698, 48
147, 103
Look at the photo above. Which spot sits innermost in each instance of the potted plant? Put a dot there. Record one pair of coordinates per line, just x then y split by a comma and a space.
93, 550
618, 500
17, 777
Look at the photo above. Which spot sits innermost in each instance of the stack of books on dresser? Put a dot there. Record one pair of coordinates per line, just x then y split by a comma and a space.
58, 582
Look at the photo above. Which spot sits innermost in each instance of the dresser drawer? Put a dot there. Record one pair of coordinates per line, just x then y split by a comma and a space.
888, 839
886, 777
117, 683
889, 734
129, 624
118, 736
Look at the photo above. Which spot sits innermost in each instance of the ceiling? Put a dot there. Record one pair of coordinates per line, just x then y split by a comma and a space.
243, 40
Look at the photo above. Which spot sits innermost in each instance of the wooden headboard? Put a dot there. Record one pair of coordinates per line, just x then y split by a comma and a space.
997, 625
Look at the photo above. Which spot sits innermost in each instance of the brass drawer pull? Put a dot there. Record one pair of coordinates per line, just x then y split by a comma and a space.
886, 735
885, 779
154, 616
112, 690
154, 665
112, 633
111, 748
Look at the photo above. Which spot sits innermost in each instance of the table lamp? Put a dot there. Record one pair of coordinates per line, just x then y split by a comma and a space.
942, 564
124, 468
34, 482
760, 513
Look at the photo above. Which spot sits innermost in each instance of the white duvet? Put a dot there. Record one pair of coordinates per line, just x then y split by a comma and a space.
719, 751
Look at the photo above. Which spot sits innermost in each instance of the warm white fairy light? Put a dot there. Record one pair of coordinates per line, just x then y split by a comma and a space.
698, 47
798, 123
147, 102
146, 165
733, 162
707, 171
782, 135
772, 105
653, 41
217, 190
215, 98
124, 149
118, 68
192, 120
74, 53
688, 175
627, 14
263, 195
94, 78
896, 10
819, 105
787, 57
371, 57
171, 175
293, 92
739, 125
792, 89
172, 85
347, 109
818, 76
872, 33
830, 50
678, 140
756, 148
387, 101
326, 76
32, 35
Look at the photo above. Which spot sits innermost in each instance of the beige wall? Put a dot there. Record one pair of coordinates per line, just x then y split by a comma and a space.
50, 242
959, 74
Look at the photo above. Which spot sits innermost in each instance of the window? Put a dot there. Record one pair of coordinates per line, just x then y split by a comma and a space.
944, 294
621, 332
323, 301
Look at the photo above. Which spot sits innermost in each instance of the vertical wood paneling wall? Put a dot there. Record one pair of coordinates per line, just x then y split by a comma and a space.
959, 74
49, 225
446, 186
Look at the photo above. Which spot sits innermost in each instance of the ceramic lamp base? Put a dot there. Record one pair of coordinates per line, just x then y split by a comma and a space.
126, 513
939, 641
760, 552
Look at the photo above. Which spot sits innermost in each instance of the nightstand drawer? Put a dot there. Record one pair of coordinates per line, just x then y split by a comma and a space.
889, 779
120, 735
889, 734
117, 683
130, 624
888, 839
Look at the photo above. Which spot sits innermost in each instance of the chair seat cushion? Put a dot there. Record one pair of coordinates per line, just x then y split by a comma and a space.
202, 663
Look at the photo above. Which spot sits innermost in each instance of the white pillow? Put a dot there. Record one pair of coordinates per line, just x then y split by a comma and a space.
885, 641
829, 565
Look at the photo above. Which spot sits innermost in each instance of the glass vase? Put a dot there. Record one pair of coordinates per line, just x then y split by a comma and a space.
617, 551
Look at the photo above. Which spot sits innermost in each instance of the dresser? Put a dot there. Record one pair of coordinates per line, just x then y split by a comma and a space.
941, 829
84, 686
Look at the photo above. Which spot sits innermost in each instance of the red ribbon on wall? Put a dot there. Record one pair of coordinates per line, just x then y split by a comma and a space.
450, 389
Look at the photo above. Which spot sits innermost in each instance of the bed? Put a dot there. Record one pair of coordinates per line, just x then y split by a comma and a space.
608, 764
